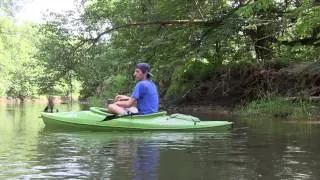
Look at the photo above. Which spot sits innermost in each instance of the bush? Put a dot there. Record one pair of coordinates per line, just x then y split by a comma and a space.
117, 84
186, 76
277, 107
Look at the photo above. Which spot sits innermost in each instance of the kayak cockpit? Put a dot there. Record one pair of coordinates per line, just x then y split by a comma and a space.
104, 112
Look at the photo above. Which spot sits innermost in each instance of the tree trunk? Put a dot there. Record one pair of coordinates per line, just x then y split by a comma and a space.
262, 43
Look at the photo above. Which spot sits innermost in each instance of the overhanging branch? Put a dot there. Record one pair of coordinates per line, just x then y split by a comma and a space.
214, 22
162, 23
309, 41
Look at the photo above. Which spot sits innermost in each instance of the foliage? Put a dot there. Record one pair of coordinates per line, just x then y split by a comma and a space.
278, 107
173, 36
185, 42
117, 84
190, 75
22, 82
161, 46
10, 7
24, 74
18, 66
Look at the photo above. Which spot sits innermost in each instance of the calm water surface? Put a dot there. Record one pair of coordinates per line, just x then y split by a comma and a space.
252, 149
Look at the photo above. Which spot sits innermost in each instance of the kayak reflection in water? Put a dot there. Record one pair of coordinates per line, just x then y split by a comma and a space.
145, 95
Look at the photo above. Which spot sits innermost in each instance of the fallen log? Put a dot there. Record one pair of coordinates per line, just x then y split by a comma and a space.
310, 98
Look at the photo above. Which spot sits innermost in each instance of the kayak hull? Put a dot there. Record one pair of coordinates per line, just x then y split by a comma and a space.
94, 119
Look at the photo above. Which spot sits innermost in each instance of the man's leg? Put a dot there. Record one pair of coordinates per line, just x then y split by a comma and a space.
113, 108
132, 110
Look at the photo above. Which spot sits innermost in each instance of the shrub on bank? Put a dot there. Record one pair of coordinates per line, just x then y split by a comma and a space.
278, 107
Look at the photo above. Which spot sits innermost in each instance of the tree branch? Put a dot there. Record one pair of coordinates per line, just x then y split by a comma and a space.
203, 22
311, 41
162, 23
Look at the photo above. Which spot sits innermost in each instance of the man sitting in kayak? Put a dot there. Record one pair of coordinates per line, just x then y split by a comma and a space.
145, 95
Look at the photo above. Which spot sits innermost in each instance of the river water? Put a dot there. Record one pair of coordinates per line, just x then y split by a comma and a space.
252, 149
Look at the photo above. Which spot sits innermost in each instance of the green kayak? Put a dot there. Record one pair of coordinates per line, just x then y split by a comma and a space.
98, 119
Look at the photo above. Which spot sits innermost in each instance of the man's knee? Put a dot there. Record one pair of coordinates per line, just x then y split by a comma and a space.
111, 106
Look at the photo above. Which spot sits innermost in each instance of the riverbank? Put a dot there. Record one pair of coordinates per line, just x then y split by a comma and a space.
268, 107
279, 89
242, 84
276, 89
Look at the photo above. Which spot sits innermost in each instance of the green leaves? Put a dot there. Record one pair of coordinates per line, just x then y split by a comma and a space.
110, 37
17, 47
10, 7
308, 23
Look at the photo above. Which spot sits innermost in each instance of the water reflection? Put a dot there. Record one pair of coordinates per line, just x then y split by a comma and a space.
253, 149
284, 151
109, 155
145, 162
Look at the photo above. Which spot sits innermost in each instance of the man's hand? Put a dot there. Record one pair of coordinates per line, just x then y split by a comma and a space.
126, 103
121, 98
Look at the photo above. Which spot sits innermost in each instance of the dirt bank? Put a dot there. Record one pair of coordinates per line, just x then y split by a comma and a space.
241, 84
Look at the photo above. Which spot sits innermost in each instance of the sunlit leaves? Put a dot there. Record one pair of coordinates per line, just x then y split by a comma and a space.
10, 7
309, 22
17, 49
254, 32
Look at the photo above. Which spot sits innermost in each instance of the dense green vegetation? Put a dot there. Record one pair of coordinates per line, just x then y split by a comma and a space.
275, 107
21, 71
18, 70
186, 42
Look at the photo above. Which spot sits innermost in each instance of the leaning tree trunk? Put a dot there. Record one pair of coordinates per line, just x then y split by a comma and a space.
263, 36
262, 43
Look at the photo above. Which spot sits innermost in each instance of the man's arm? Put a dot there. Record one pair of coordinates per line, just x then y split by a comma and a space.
130, 101
126, 104
121, 98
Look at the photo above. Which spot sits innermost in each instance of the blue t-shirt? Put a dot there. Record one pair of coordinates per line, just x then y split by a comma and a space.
146, 94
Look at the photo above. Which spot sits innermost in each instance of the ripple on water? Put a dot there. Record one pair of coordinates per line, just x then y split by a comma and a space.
242, 154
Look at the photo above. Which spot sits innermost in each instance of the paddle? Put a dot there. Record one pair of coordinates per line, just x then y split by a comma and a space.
110, 101
116, 116
110, 117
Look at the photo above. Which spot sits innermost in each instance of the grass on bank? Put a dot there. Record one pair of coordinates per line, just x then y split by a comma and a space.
279, 107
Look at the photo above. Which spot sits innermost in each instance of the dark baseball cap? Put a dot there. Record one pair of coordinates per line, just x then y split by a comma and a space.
145, 68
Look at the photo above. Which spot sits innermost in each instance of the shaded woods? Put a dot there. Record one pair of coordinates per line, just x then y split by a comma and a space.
200, 51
